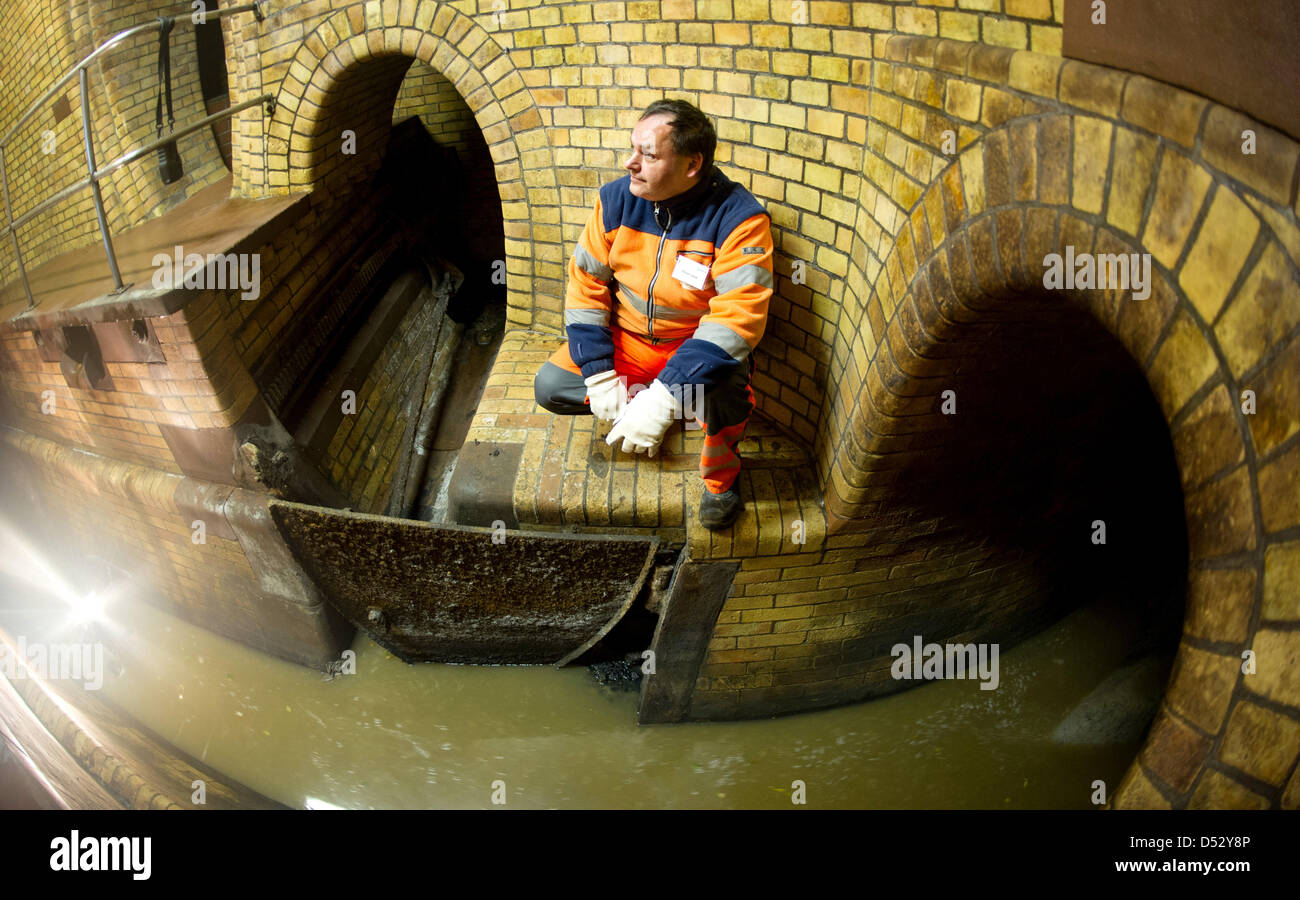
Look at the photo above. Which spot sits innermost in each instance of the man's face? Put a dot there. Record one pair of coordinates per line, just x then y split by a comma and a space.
657, 172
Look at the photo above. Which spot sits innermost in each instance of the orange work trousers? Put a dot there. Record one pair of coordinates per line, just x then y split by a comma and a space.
728, 404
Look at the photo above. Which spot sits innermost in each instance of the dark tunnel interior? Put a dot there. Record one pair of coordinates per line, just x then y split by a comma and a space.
1057, 445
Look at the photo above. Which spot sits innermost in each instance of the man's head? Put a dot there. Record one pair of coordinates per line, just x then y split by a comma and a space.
672, 149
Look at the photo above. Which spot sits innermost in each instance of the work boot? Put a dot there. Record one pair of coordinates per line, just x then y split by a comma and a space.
717, 511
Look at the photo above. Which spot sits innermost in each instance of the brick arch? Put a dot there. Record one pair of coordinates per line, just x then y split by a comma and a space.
1224, 289
349, 59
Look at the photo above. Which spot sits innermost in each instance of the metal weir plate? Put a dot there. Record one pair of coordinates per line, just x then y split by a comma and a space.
449, 593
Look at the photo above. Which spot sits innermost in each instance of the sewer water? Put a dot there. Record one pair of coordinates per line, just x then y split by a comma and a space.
395, 735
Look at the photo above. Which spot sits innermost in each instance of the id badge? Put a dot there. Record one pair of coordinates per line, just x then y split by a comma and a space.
691, 273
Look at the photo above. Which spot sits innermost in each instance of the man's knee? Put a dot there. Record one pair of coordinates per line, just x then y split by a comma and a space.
728, 401
559, 391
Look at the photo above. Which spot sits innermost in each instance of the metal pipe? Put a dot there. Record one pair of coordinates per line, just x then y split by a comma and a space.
94, 184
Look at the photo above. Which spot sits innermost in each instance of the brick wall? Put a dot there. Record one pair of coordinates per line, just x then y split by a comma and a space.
366, 450
469, 194
197, 382
556, 87
427, 94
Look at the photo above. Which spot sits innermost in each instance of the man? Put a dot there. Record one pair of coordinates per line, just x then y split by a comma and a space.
668, 287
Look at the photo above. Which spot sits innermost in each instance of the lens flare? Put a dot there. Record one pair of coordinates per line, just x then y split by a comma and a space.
86, 608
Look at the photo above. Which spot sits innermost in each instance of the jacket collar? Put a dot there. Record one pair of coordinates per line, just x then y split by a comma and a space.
684, 202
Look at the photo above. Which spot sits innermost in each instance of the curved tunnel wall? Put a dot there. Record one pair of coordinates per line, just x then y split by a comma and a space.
1220, 321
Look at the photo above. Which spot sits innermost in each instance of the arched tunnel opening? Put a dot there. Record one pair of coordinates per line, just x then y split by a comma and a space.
1050, 466
405, 328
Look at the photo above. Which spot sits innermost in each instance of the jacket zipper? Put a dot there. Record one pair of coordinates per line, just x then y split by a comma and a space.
650, 301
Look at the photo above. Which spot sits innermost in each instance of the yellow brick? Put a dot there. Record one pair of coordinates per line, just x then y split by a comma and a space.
788, 116
643, 11
827, 123
831, 13
1005, 33
811, 93
1163, 109
795, 64
1282, 582
786, 167
771, 88
1268, 170
1221, 248
959, 26
1045, 39
774, 36
1091, 160
963, 100
771, 138
1131, 181
911, 20
852, 43
1264, 311
830, 68
1035, 73
733, 83
972, 178
1030, 9
734, 33
1180, 190
1183, 363
876, 16
823, 177
807, 38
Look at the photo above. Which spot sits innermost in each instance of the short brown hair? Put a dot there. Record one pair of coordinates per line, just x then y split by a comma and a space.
692, 131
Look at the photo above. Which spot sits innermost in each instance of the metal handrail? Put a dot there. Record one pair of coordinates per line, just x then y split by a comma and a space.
94, 175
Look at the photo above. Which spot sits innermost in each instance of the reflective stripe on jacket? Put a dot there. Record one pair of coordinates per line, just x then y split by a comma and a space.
622, 274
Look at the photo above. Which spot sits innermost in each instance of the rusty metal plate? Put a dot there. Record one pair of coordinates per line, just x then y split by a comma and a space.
449, 593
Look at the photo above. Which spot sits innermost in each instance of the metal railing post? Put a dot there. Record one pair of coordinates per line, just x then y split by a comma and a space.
94, 184
13, 232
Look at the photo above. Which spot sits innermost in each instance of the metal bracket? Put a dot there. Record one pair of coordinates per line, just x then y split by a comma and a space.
257, 9
270, 106
123, 289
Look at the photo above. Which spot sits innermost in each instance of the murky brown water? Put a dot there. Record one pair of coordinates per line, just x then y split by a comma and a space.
435, 736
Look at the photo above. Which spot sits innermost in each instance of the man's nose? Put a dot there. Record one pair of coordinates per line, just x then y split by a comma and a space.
630, 161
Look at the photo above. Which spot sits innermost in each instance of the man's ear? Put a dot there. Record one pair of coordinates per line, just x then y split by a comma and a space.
695, 165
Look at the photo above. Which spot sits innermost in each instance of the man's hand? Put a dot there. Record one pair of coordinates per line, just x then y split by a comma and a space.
642, 425
606, 394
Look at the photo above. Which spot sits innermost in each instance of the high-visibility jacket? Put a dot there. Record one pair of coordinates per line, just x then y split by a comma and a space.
622, 274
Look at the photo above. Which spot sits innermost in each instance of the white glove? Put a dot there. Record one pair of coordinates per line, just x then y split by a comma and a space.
642, 425
607, 394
